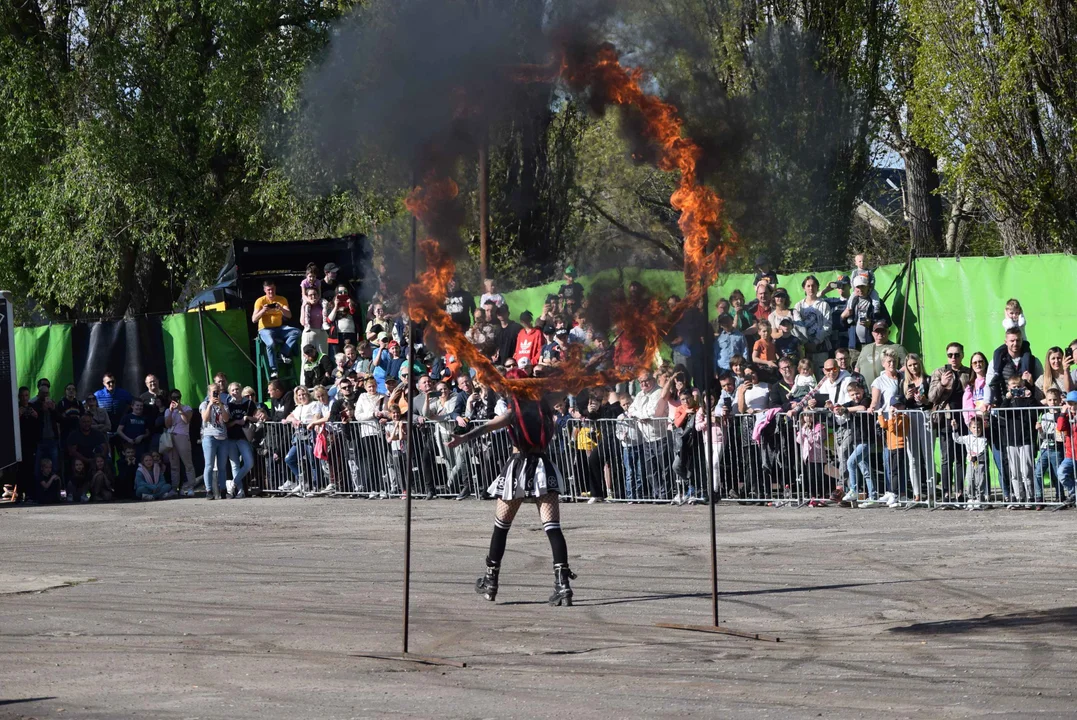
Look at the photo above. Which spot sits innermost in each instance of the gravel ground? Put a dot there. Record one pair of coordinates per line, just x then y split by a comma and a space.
271, 608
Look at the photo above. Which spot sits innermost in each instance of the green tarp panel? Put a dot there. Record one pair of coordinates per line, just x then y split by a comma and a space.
889, 282
965, 300
183, 350
44, 352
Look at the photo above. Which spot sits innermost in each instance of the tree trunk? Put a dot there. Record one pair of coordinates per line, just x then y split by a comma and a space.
923, 204
959, 208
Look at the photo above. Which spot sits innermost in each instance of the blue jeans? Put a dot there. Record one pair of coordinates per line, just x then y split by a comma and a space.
156, 491
240, 449
47, 449
1046, 465
633, 462
215, 449
1003, 475
858, 460
302, 451
1065, 476
284, 335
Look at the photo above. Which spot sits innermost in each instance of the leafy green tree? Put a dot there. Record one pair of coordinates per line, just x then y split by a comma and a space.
138, 139
996, 97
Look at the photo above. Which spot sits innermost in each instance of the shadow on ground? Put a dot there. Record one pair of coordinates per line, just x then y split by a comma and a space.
1063, 616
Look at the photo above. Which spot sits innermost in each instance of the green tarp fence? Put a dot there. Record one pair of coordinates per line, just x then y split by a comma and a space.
960, 300
46, 352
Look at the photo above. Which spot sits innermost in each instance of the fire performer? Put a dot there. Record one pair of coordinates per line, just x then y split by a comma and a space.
529, 475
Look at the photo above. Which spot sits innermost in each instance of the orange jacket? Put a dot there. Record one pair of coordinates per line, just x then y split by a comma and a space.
897, 429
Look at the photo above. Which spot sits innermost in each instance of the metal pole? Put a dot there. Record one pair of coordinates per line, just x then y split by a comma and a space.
409, 451
202, 337
905, 304
708, 370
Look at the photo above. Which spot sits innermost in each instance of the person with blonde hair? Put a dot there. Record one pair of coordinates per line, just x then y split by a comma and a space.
1055, 375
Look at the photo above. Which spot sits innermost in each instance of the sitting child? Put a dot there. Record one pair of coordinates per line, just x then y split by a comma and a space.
78, 485
100, 482
124, 488
48, 488
1015, 316
150, 483
805, 381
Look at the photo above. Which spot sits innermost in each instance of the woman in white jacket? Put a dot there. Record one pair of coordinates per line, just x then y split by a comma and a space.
812, 322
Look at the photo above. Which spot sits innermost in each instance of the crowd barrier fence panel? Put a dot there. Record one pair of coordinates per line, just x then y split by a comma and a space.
921, 457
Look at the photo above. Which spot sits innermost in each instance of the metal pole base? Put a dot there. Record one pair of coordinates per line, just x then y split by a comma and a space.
409, 657
719, 630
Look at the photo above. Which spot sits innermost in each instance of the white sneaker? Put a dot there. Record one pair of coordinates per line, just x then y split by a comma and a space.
678, 499
287, 487
147, 496
230, 488
849, 496
592, 501
887, 497
329, 489
893, 503
871, 503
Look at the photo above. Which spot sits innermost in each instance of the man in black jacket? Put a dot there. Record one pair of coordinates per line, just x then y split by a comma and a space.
945, 393
507, 331
460, 305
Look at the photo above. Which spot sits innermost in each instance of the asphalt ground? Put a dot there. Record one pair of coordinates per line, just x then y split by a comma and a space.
274, 608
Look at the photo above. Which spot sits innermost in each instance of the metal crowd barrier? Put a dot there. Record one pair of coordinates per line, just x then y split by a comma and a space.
897, 459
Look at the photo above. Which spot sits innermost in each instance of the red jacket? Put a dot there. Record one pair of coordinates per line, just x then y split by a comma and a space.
529, 345
1069, 433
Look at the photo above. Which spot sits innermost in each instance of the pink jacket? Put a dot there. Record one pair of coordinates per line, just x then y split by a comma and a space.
811, 443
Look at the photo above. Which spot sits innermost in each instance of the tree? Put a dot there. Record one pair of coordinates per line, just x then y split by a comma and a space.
137, 140
783, 96
996, 97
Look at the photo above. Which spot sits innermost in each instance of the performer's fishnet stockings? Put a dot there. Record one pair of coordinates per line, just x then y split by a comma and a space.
506, 510
549, 508
549, 512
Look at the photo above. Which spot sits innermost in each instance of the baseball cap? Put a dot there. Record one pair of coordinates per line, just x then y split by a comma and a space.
1071, 396
523, 362
549, 330
393, 344
842, 281
570, 271
860, 281
562, 330
880, 325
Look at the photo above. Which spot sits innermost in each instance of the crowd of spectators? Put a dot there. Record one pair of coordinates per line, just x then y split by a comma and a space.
823, 375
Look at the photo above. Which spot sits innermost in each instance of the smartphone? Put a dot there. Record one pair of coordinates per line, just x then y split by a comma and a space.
216, 394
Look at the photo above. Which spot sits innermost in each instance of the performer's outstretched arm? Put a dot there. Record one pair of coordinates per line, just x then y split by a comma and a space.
501, 421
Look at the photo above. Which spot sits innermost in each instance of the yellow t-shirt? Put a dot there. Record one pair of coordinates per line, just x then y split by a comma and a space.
274, 317
587, 438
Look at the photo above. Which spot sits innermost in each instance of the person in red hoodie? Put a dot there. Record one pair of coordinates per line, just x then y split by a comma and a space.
1067, 428
529, 342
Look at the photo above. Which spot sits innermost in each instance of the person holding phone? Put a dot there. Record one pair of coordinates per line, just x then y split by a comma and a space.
215, 419
270, 312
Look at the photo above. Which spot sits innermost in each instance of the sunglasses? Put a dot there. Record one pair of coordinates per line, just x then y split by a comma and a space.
953, 355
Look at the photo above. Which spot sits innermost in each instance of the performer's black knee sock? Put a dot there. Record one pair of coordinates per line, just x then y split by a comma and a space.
497, 543
557, 542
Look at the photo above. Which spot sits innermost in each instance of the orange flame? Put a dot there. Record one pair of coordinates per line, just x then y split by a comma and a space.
641, 324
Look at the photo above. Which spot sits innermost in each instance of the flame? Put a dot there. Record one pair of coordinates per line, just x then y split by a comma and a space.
641, 323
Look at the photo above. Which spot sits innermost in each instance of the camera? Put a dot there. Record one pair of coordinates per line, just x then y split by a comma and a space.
1018, 392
